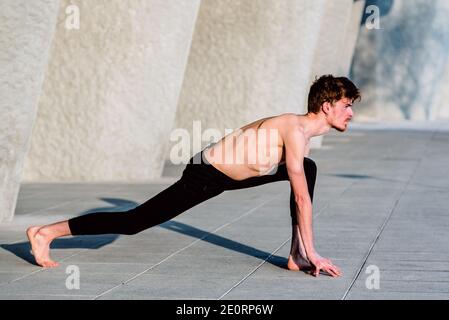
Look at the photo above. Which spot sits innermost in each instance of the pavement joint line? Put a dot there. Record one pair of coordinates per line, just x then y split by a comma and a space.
186, 247
278, 248
386, 221
45, 269
252, 271
39, 212
371, 248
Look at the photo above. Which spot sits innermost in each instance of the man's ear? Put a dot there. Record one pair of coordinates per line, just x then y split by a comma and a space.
326, 107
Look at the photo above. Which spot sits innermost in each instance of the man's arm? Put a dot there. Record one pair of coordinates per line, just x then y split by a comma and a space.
295, 148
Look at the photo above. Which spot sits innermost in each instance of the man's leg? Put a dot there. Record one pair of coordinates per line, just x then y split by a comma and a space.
198, 183
166, 205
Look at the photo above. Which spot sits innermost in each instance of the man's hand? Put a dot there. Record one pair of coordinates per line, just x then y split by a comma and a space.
320, 263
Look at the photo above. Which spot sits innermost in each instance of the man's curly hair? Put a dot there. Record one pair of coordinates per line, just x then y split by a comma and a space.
330, 89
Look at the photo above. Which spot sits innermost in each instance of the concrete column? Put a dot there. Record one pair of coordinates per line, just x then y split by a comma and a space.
337, 38
331, 42
111, 92
26, 31
351, 35
249, 59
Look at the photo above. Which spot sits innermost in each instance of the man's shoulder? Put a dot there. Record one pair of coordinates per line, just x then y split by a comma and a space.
291, 131
289, 123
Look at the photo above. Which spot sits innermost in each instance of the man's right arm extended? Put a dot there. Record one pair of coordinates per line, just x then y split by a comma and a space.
295, 143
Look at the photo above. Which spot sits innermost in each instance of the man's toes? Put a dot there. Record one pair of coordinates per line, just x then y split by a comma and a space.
54, 264
46, 264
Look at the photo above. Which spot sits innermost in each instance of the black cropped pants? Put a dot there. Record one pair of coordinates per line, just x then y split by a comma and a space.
200, 181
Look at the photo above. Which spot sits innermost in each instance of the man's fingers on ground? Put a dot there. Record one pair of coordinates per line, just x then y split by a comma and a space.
335, 269
330, 271
336, 272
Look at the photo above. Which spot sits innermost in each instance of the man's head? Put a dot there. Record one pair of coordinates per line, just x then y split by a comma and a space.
334, 97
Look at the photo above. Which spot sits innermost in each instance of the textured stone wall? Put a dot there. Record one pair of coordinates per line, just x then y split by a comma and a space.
26, 30
351, 35
111, 91
339, 28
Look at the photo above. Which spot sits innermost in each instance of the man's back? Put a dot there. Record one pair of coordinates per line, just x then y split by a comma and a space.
254, 149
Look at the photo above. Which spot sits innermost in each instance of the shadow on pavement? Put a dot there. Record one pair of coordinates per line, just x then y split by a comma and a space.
23, 249
224, 242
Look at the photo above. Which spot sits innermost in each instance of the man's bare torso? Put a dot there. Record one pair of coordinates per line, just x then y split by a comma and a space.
252, 150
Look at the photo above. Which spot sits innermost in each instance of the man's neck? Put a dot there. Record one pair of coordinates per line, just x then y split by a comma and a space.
314, 124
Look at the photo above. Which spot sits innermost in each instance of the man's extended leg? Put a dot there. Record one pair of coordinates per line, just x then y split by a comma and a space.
198, 183
166, 205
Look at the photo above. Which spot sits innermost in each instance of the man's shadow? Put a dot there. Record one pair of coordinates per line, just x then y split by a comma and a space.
224, 242
23, 249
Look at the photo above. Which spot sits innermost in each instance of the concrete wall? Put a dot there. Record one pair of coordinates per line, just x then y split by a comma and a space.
401, 66
333, 32
26, 30
351, 35
111, 91
339, 28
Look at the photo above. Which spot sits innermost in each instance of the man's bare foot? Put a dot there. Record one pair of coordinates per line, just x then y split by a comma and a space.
40, 247
297, 262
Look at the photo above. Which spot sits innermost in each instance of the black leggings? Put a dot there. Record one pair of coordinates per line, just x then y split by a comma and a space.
200, 181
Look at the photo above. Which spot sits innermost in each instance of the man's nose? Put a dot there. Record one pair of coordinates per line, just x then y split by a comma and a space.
351, 113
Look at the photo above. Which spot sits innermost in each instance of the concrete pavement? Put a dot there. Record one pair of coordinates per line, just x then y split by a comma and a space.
381, 212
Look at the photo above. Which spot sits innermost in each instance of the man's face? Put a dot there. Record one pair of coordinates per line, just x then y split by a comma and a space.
341, 114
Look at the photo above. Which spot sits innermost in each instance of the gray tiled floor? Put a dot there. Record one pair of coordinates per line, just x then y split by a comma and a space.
381, 199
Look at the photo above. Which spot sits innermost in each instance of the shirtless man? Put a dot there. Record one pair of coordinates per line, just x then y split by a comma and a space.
228, 165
